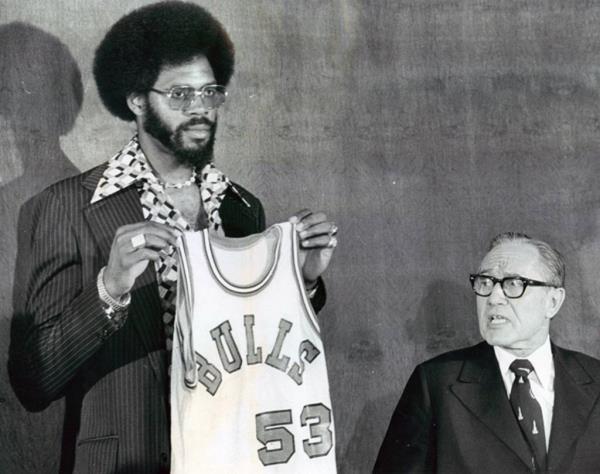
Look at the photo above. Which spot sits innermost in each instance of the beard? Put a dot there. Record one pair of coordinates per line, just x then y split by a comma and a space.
196, 156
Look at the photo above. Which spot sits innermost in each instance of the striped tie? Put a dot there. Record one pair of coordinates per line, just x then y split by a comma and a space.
528, 412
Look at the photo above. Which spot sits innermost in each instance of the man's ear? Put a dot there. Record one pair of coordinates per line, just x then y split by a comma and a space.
137, 103
555, 301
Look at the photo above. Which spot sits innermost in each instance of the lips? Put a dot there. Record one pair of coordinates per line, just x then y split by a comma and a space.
198, 123
198, 131
497, 320
198, 127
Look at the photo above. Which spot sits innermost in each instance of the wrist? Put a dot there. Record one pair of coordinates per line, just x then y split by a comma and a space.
112, 303
114, 293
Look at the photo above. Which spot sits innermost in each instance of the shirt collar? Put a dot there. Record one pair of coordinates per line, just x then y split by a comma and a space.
129, 166
541, 359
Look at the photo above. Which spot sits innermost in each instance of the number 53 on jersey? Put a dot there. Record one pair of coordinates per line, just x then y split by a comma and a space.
272, 431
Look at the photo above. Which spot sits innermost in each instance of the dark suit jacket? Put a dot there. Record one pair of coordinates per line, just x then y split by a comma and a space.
455, 417
114, 381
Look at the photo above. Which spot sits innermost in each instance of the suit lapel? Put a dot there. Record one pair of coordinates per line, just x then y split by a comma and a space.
480, 389
104, 218
575, 394
238, 219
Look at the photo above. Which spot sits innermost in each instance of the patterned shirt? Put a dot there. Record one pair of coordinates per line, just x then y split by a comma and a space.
130, 167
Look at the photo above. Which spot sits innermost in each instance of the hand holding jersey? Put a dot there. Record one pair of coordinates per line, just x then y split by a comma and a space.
133, 247
318, 239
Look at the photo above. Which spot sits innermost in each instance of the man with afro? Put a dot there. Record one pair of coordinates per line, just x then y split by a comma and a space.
98, 317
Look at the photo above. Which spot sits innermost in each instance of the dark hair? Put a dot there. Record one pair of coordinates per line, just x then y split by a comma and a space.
137, 47
551, 257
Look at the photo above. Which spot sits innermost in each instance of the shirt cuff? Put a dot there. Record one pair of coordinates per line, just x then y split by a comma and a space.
311, 292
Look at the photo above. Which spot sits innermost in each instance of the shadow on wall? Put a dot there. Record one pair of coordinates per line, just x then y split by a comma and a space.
440, 325
40, 97
359, 456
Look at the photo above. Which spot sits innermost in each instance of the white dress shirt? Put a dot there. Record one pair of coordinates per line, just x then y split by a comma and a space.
541, 380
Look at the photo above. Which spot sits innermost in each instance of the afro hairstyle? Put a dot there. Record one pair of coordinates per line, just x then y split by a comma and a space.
132, 54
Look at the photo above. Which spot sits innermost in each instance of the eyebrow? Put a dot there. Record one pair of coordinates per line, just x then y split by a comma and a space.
213, 83
485, 272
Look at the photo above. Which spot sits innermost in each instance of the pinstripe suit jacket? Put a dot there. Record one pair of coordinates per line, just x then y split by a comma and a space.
114, 381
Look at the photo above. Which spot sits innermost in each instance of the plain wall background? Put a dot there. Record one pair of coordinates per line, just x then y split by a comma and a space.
423, 128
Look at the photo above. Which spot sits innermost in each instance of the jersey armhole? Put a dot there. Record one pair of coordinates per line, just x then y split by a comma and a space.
310, 313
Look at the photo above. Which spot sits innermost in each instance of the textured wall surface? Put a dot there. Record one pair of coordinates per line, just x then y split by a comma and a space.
422, 127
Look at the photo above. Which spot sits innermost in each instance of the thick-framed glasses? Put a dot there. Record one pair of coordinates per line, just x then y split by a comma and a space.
183, 97
513, 286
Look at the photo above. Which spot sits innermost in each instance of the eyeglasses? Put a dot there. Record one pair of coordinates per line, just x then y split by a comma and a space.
183, 97
513, 286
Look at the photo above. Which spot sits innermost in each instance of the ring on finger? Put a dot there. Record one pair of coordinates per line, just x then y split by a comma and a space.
138, 241
334, 230
332, 242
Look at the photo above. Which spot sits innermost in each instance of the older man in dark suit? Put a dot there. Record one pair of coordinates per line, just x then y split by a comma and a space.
515, 403
98, 321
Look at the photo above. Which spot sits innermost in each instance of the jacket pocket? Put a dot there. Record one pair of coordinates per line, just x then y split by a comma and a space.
97, 455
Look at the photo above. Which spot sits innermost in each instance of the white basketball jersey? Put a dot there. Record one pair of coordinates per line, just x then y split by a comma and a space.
249, 387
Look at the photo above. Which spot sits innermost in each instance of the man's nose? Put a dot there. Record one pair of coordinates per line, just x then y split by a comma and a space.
197, 107
497, 295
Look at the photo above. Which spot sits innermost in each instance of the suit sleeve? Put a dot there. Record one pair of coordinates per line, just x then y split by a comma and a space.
60, 323
409, 444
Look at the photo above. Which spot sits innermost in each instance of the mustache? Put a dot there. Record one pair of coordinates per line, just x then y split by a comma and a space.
198, 121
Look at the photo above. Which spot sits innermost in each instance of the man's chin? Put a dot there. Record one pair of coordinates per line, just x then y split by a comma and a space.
193, 146
191, 150
194, 156
497, 336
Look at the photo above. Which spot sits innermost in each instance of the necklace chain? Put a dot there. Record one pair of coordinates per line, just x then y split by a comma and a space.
191, 180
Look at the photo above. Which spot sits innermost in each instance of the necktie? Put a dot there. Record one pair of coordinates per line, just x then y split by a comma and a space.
528, 412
